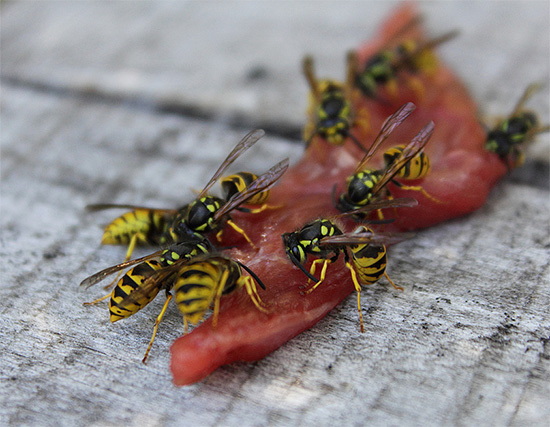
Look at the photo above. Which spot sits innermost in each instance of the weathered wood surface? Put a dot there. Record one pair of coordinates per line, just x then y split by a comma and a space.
87, 90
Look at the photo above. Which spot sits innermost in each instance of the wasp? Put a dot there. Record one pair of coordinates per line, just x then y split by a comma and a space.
331, 106
416, 168
411, 56
364, 251
366, 185
134, 290
238, 182
209, 213
202, 282
149, 226
508, 136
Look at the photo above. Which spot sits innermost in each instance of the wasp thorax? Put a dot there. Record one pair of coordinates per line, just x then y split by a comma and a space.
360, 186
201, 213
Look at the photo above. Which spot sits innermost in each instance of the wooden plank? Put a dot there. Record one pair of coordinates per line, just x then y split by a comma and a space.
465, 343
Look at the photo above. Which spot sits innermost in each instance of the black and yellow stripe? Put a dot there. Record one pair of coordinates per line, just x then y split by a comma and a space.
237, 183
416, 168
127, 286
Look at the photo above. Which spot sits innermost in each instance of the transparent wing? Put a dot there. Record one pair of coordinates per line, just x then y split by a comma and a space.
365, 237
403, 202
244, 144
100, 275
387, 128
529, 92
262, 183
411, 150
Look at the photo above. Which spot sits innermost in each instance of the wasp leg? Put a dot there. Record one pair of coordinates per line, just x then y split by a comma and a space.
321, 277
417, 188
262, 208
253, 294
238, 230
358, 289
157, 323
217, 298
185, 325
97, 300
399, 288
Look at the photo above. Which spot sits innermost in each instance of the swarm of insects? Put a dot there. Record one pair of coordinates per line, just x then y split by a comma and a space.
189, 266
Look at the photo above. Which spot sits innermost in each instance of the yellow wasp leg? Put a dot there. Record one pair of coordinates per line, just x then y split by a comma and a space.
131, 247
322, 277
399, 288
264, 207
185, 325
157, 323
418, 188
238, 230
217, 298
253, 294
358, 289
97, 300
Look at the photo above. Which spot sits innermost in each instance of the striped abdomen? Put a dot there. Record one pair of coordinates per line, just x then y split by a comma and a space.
199, 282
123, 305
147, 224
237, 183
415, 168
369, 261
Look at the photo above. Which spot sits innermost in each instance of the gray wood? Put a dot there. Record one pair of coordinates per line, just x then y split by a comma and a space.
466, 343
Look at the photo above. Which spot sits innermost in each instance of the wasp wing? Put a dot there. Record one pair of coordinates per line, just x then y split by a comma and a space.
387, 128
411, 150
365, 237
244, 144
100, 275
262, 183
403, 202
529, 92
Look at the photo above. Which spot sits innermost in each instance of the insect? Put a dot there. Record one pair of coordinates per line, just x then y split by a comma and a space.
508, 136
238, 182
367, 185
416, 168
210, 213
411, 56
149, 226
364, 251
134, 290
202, 282
331, 108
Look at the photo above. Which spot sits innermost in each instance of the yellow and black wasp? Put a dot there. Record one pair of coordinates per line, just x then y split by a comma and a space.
366, 185
364, 251
416, 168
149, 226
201, 283
238, 182
331, 109
410, 56
510, 135
134, 290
